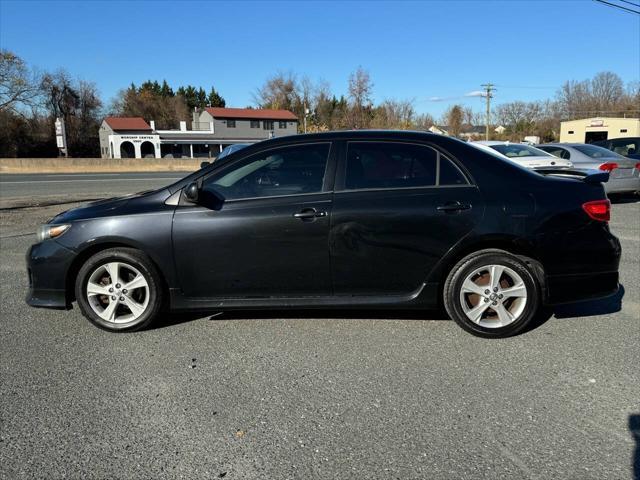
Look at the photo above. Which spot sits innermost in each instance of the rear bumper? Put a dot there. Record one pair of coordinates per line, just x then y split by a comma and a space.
623, 185
578, 287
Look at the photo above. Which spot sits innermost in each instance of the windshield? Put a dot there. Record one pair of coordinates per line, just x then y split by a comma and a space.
597, 152
232, 148
514, 150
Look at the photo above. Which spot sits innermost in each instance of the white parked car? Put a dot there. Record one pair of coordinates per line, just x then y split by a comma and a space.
525, 155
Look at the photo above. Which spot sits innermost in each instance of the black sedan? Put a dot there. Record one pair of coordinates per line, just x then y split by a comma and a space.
359, 219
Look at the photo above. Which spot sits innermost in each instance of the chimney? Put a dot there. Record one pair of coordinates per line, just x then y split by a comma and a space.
152, 124
183, 126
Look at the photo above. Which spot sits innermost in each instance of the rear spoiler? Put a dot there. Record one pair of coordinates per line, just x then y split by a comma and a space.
587, 176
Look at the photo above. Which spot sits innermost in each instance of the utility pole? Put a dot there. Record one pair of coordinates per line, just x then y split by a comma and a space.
488, 89
306, 112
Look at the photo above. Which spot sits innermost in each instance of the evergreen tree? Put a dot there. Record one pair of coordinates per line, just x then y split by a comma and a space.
215, 100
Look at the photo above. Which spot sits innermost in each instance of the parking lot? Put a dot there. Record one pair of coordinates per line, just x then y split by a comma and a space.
290, 394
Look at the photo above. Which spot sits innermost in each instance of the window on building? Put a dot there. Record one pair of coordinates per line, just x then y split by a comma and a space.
570, 132
284, 125
255, 123
289, 170
267, 124
623, 130
231, 124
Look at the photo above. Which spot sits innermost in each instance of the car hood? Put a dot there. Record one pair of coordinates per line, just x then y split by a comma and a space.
105, 207
537, 162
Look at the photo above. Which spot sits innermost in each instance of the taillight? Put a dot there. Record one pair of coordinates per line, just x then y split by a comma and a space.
598, 210
607, 167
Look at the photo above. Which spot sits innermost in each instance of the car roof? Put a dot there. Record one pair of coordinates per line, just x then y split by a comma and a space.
568, 145
494, 142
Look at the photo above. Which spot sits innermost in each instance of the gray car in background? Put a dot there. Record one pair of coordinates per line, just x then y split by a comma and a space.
624, 174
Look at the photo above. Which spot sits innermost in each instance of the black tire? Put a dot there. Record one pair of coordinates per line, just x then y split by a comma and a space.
144, 265
470, 264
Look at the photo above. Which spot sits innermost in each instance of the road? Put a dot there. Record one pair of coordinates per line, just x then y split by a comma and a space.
20, 189
288, 394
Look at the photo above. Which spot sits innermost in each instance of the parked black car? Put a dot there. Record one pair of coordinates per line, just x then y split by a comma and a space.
403, 220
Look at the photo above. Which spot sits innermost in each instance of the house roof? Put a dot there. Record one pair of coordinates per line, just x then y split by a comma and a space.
251, 113
127, 123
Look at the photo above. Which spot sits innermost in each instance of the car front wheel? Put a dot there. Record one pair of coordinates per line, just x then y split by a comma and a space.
119, 289
492, 293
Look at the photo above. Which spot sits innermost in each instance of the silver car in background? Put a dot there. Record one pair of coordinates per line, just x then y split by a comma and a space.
522, 154
624, 176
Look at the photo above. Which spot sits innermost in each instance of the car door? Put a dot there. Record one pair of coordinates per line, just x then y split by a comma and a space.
260, 228
398, 208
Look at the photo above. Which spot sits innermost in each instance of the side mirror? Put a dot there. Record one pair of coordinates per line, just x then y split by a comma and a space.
191, 192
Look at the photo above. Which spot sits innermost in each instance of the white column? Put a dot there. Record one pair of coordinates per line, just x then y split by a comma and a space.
191, 149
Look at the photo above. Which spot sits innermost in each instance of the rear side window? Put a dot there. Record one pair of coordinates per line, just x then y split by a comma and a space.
557, 152
373, 165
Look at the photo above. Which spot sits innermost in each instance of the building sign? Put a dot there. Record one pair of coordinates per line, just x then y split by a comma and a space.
137, 138
61, 137
597, 123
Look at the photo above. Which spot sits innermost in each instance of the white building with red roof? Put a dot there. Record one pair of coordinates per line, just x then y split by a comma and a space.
212, 129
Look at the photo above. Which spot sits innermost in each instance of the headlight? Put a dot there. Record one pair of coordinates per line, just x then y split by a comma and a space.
51, 231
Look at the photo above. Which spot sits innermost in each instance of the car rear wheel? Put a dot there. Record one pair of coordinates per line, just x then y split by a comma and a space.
119, 289
492, 293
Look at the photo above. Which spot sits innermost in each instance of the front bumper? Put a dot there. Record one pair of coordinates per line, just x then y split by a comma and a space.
47, 266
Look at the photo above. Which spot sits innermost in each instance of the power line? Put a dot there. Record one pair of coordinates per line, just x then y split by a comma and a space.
526, 87
625, 9
630, 3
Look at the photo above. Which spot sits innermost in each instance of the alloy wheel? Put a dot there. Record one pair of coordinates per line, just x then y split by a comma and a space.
117, 292
493, 296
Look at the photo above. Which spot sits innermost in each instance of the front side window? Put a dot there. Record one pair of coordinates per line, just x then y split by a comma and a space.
268, 124
290, 170
231, 124
396, 165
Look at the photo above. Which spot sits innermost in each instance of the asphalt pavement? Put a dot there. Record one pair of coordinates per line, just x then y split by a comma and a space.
21, 190
289, 394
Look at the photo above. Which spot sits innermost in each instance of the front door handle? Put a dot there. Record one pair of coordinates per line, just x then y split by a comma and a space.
307, 214
453, 207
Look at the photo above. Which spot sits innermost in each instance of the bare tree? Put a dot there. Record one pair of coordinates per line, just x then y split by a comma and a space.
394, 114
604, 94
424, 121
454, 118
18, 84
360, 91
281, 91
607, 90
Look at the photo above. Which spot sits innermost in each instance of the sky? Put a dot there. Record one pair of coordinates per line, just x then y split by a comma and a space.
431, 52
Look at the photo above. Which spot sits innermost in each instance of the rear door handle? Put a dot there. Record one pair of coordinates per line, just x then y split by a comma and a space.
453, 207
309, 214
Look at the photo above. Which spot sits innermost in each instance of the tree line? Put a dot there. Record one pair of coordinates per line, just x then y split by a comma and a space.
31, 100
